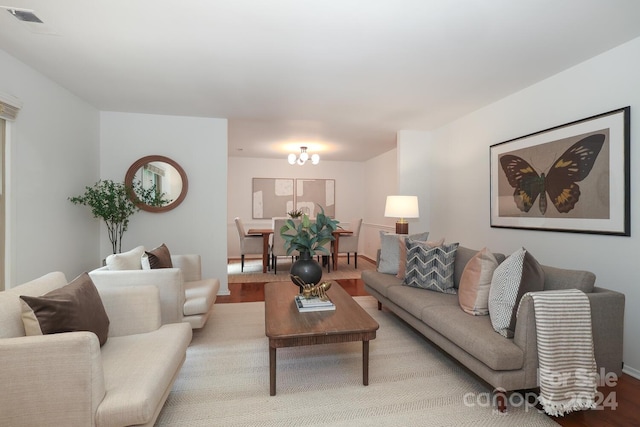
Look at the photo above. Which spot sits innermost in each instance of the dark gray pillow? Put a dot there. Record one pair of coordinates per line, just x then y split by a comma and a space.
430, 267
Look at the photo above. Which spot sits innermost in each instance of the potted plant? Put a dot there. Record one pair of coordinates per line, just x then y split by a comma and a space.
109, 201
308, 238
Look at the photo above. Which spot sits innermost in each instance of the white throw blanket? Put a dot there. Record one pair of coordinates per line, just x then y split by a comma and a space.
567, 367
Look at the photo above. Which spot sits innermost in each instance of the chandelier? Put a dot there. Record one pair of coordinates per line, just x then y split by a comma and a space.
304, 156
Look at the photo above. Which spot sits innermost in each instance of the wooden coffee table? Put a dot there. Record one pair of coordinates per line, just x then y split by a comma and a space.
286, 327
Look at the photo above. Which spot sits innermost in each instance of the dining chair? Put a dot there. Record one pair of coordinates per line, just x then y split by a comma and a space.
349, 243
277, 243
249, 245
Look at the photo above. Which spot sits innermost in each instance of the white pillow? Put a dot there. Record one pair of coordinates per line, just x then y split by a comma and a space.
130, 260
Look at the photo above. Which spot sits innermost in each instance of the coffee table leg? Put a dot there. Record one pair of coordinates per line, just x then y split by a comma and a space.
365, 363
272, 371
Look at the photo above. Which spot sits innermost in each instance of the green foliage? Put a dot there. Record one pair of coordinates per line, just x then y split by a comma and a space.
110, 202
150, 196
309, 236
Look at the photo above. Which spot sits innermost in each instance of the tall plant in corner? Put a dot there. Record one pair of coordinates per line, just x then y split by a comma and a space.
109, 201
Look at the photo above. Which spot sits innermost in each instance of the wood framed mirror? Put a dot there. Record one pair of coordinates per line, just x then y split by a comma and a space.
157, 183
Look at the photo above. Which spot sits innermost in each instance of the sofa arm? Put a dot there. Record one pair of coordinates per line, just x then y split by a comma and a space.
607, 321
169, 282
191, 266
36, 369
131, 310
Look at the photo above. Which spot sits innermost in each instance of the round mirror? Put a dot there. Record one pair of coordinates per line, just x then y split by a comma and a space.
157, 183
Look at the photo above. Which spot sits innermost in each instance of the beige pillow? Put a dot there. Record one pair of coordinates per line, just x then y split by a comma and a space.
402, 265
130, 260
473, 291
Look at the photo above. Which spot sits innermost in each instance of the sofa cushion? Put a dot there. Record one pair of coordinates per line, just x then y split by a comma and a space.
430, 268
74, 307
130, 260
159, 257
474, 335
402, 248
11, 304
416, 300
199, 296
518, 274
390, 252
380, 282
138, 371
473, 292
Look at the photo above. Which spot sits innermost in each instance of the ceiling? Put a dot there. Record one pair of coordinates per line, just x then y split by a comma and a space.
339, 76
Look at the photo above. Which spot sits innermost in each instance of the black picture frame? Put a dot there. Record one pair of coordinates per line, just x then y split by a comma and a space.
580, 169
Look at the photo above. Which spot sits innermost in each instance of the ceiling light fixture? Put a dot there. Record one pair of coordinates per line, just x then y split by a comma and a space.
302, 159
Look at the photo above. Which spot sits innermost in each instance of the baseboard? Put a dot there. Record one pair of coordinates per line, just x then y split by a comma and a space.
631, 372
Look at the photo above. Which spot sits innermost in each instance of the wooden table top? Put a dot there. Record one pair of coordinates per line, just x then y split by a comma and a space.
284, 323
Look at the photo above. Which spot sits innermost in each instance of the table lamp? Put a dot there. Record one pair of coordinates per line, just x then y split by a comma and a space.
401, 207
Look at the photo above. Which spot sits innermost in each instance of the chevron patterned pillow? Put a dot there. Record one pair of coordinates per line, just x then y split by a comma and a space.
431, 268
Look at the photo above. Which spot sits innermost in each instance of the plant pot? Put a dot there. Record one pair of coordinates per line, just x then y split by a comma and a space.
305, 271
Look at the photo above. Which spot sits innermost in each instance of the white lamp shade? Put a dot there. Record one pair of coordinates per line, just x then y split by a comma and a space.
292, 159
315, 159
402, 207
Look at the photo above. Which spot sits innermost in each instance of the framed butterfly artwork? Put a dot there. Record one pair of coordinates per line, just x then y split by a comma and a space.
571, 178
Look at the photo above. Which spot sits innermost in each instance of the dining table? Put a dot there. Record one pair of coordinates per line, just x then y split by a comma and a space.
265, 233
336, 244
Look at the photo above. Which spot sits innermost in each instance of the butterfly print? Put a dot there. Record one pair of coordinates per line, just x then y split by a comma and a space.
572, 166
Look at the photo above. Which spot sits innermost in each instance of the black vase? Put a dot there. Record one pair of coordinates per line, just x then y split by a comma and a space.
305, 270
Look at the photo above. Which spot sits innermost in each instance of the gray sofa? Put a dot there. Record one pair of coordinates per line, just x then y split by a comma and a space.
505, 364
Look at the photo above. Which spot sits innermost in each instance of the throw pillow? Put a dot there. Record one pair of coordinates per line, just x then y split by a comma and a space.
402, 247
518, 274
473, 290
160, 257
431, 268
74, 307
390, 253
130, 260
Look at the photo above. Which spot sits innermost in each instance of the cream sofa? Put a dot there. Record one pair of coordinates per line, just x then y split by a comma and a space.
184, 295
67, 379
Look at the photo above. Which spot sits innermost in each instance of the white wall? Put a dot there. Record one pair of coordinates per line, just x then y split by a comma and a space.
381, 178
459, 176
199, 145
349, 177
414, 156
52, 155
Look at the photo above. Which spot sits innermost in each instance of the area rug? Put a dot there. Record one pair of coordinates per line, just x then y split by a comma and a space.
253, 270
225, 380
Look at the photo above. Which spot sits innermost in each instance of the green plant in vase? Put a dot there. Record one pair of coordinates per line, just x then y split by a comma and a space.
308, 238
